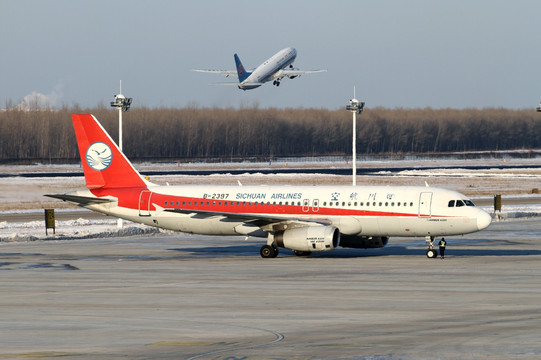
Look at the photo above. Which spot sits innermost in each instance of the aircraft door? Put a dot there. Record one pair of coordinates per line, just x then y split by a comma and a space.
144, 203
425, 204
315, 205
305, 205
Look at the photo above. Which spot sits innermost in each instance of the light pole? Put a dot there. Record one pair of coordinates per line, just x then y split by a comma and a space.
122, 103
355, 107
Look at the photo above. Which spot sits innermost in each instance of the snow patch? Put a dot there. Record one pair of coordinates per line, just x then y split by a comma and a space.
73, 230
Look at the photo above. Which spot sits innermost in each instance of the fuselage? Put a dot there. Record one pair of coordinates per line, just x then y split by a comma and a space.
354, 210
269, 69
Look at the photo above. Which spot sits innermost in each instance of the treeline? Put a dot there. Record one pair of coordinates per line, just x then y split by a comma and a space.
192, 132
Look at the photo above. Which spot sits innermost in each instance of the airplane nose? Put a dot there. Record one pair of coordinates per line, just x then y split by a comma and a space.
483, 220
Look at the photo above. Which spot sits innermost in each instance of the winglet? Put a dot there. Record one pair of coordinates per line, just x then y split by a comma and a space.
104, 165
241, 71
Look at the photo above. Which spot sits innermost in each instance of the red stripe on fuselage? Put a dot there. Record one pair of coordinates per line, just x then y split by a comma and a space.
129, 198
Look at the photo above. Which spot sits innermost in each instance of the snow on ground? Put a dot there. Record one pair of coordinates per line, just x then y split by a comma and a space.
73, 229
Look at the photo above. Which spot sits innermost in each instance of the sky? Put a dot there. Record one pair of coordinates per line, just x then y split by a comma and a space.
397, 54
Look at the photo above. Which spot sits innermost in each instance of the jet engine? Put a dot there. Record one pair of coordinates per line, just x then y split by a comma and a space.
363, 242
309, 238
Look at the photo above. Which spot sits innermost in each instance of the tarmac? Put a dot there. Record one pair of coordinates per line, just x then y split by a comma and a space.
177, 296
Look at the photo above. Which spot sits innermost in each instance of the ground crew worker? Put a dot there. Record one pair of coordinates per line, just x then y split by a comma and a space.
442, 244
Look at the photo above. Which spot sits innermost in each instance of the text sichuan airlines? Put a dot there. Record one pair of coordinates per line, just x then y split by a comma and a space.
273, 196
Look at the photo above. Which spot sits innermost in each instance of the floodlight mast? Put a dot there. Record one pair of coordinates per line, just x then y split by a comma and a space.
355, 107
122, 103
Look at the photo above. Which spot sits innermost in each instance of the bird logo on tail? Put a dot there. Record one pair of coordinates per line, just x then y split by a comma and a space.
99, 156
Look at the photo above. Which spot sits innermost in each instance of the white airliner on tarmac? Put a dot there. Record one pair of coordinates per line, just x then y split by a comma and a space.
304, 219
275, 68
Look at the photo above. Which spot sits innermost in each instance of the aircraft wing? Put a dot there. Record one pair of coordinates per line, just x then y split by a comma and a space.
266, 223
225, 73
293, 73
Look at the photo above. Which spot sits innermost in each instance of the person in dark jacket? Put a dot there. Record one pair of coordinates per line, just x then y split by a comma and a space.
442, 245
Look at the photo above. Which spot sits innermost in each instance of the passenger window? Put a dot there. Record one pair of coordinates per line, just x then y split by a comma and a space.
451, 203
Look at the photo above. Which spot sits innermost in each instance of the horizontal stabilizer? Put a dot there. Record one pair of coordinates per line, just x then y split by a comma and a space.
81, 200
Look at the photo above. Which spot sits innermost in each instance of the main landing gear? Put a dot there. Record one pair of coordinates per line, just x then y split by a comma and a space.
431, 252
276, 82
269, 251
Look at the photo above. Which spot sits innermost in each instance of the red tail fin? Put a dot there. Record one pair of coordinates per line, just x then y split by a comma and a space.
104, 165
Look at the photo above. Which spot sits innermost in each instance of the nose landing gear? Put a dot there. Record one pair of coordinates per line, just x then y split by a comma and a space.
431, 252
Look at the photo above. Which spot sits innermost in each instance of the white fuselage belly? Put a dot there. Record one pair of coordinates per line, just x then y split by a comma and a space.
361, 210
265, 71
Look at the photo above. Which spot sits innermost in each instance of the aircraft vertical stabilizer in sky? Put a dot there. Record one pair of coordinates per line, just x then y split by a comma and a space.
304, 219
275, 68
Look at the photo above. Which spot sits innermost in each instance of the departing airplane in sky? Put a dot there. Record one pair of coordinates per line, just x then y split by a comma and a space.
304, 219
277, 67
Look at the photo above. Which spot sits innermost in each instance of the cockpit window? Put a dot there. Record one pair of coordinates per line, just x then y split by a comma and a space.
459, 203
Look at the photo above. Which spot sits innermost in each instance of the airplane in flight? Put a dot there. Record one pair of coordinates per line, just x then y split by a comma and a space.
275, 68
304, 219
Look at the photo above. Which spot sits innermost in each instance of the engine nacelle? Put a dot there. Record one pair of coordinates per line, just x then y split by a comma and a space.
363, 242
309, 238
